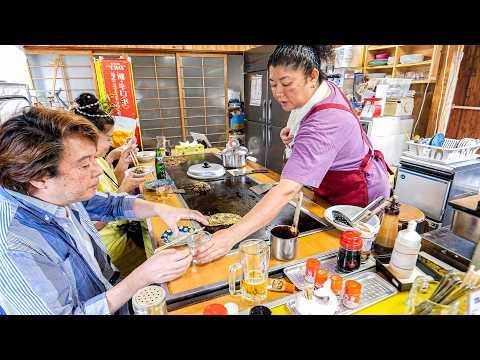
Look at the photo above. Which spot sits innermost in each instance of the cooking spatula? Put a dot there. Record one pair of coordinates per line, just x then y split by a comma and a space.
261, 189
236, 172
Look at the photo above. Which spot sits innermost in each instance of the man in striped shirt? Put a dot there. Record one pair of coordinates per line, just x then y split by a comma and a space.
52, 260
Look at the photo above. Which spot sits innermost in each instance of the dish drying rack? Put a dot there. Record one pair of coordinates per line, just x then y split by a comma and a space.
450, 151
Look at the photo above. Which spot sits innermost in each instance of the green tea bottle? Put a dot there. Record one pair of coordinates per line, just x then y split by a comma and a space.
159, 165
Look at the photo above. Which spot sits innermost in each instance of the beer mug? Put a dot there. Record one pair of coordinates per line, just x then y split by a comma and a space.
254, 258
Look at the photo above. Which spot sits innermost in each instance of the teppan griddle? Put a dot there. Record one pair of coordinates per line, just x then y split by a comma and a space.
231, 194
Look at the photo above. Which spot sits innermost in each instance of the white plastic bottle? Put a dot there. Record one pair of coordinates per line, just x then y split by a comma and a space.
405, 251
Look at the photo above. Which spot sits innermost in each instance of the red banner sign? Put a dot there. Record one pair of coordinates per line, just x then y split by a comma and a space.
117, 79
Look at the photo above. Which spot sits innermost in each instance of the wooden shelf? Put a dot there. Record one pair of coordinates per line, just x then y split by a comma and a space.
380, 47
426, 81
423, 63
379, 67
430, 52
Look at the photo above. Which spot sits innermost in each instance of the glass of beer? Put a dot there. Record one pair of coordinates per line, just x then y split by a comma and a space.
254, 257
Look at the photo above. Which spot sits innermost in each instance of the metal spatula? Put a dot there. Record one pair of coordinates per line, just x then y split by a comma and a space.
237, 172
342, 218
261, 189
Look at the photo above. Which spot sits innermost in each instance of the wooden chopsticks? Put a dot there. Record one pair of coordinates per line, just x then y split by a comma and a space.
134, 158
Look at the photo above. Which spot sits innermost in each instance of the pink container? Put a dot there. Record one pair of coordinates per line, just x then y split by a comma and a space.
383, 56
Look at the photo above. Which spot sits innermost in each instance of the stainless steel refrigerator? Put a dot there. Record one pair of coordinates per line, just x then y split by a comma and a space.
264, 116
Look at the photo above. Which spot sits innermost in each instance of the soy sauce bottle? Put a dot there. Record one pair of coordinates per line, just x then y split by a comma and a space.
348, 258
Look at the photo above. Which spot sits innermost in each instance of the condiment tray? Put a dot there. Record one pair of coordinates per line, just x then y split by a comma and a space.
296, 273
374, 289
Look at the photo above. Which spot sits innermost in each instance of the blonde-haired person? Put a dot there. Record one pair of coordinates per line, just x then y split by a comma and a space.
125, 240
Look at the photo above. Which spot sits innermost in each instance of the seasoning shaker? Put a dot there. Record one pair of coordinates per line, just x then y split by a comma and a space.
150, 300
353, 291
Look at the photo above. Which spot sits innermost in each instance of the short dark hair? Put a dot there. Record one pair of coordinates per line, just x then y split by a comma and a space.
31, 144
302, 57
89, 107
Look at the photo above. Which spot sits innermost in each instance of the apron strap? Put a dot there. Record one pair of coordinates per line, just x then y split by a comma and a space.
372, 153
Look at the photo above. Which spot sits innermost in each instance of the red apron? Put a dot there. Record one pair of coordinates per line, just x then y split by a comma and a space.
348, 187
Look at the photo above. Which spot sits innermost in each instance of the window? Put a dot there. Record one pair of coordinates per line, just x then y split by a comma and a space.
67, 75
176, 93
156, 89
203, 93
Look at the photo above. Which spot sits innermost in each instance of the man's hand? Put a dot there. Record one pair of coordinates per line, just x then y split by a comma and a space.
163, 266
130, 183
171, 215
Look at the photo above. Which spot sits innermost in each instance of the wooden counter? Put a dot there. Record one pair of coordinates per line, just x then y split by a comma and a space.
217, 271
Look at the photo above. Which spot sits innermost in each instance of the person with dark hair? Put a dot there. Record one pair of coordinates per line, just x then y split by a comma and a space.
125, 240
329, 149
88, 106
52, 260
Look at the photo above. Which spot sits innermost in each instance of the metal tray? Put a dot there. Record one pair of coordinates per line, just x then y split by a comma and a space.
296, 273
374, 289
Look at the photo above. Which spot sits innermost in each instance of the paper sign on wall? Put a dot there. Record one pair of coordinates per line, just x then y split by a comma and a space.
115, 80
256, 90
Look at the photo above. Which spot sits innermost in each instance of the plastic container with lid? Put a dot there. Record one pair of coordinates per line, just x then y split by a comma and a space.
396, 218
405, 252
348, 258
353, 291
311, 269
320, 277
336, 284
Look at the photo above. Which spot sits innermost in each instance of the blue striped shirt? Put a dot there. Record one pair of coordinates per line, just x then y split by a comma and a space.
44, 265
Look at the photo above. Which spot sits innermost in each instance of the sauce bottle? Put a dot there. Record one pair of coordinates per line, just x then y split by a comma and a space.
388, 231
405, 251
348, 258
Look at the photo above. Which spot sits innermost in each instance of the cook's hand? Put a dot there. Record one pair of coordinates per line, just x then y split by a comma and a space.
219, 246
163, 266
129, 183
286, 136
171, 215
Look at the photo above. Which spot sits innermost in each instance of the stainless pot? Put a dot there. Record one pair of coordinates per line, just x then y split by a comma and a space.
283, 243
234, 158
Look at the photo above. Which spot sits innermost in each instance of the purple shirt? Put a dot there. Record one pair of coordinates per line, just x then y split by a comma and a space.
331, 139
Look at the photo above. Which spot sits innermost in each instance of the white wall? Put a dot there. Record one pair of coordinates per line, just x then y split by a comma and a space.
13, 64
